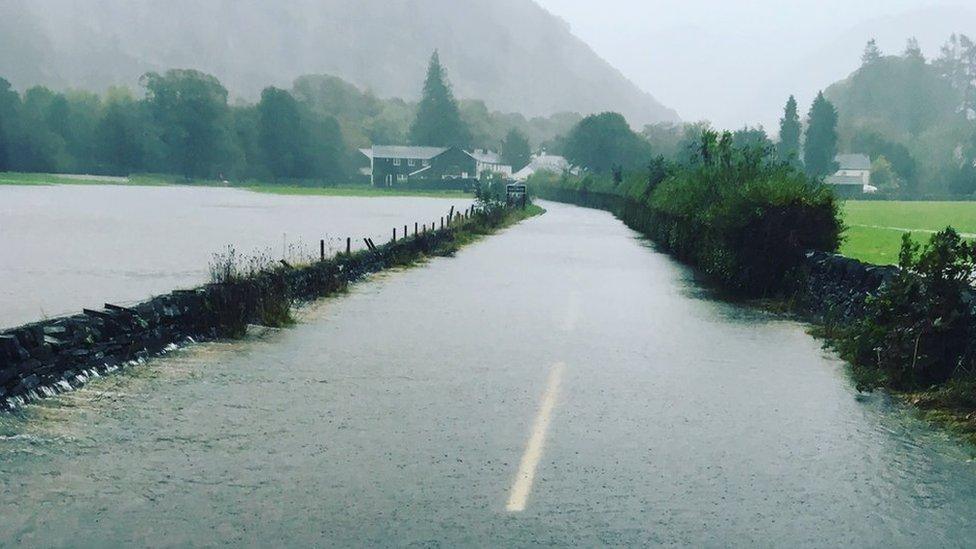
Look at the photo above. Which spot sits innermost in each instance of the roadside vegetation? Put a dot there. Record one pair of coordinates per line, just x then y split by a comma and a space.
745, 218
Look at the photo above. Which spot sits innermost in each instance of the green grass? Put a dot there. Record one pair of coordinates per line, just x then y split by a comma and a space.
351, 190
875, 227
8, 178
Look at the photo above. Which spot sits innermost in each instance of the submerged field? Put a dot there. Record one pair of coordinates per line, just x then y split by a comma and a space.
8, 178
875, 228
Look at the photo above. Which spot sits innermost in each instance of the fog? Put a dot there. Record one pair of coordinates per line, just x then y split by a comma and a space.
734, 63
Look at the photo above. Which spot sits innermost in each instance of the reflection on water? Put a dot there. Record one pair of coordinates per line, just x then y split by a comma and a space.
397, 415
63, 248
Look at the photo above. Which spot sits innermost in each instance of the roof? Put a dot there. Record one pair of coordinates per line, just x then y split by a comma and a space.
854, 162
487, 157
845, 180
397, 151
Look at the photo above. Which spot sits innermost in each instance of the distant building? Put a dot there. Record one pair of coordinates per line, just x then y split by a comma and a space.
490, 162
544, 162
853, 176
392, 165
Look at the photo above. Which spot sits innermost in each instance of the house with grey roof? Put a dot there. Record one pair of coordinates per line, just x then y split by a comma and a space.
853, 175
397, 165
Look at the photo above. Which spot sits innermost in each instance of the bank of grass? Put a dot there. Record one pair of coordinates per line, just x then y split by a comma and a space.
158, 180
875, 228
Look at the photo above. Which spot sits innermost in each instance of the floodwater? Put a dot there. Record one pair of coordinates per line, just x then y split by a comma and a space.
63, 248
641, 410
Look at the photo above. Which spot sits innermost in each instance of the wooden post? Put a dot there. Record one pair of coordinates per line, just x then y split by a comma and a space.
322, 249
394, 234
348, 245
405, 232
442, 223
415, 228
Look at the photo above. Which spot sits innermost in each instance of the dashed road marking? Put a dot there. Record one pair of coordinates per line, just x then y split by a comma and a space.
522, 487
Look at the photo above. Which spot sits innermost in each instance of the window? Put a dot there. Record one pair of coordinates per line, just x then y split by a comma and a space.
396, 161
411, 162
401, 177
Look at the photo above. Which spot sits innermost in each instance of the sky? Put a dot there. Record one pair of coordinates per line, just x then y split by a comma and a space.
735, 62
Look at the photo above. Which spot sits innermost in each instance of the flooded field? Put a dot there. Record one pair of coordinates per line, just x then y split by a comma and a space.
63, 248
399, 415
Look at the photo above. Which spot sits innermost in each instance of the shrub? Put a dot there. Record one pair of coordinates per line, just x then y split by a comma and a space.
921, 329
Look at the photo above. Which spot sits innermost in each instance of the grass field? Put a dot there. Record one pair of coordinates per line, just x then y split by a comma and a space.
875, 227
7, 178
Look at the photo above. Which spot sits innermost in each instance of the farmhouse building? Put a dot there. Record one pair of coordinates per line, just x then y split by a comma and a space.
392, 165
853, 176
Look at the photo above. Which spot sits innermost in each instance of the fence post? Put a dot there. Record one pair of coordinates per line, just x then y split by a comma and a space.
405, 232
348, 245
415, 230
322, 249
394, 234
442, 223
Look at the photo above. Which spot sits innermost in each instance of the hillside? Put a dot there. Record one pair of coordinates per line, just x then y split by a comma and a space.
511, 53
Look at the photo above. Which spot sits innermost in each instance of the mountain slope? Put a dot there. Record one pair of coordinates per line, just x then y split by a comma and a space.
511, 53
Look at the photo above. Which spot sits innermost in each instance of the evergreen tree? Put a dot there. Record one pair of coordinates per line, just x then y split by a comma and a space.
604, 142
820, 148
872, 53
913, 50
516, 151
438, 122
789, 133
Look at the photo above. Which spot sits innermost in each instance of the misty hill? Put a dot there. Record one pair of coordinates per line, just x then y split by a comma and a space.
512, 54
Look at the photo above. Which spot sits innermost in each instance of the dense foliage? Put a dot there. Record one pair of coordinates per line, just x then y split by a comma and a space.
921, 330
919, 114
604, 142
736, 213
185, 125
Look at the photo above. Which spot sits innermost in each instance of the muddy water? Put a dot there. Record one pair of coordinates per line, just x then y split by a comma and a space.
63, 248
400, 414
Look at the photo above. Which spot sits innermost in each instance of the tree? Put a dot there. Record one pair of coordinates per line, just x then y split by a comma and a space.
438, 122
119, 135
789, 133
191, 110
9, 101
602, 142
913, 50
871, 54
820, 149
516, 151
281, 136
883, 175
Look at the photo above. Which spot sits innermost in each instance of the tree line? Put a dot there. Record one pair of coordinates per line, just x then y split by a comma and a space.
184, 123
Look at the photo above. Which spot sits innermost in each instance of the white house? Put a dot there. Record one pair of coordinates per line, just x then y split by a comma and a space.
490, 162
544, 162
853, 175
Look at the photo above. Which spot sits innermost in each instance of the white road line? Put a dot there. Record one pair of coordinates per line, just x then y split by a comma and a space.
533, 450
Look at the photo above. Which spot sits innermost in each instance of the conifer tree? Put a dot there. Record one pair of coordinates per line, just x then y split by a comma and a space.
820, 148
789, 133
438, 122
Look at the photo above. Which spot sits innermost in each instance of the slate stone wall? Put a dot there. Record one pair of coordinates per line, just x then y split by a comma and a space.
45, 358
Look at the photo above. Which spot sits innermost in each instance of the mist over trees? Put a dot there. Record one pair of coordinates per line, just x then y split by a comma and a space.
915, 113
605, 142
184, 124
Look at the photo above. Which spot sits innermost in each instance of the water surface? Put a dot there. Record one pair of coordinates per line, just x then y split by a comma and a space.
63, 248
398, 415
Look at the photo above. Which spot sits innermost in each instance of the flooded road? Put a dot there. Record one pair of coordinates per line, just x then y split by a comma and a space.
560, 383
63, 248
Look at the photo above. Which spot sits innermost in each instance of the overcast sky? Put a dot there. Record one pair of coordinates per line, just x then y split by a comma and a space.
735, 62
